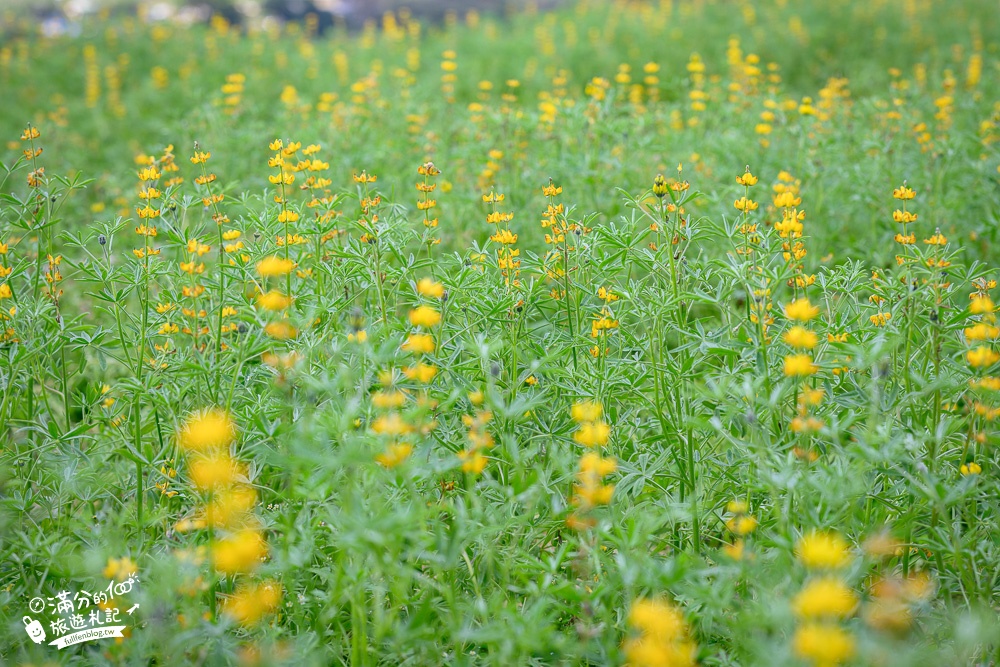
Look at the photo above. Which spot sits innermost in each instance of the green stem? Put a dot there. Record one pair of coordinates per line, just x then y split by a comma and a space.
65, 383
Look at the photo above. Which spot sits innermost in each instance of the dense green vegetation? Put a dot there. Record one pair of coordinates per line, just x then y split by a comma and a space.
633, 333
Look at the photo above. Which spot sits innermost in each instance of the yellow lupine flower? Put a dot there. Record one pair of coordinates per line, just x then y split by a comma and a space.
429, 288
982, 357
424, 316
801, 310
274, 266
592, 434
825, 644
273, 300
213, 471
826, 597
823, 550
799, 365
249, 604
280, 330
419, 344
395, 455
586, 411
241, 552
800, 337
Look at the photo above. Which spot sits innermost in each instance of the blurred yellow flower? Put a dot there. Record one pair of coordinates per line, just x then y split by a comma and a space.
825, 597
274, 266
823, 550
207, 430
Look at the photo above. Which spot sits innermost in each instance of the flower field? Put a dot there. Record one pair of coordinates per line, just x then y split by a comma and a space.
630, 333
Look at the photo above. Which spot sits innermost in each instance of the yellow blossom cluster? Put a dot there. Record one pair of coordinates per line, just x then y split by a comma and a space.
823, 601
238, 545
740, 523
590, 490
661, 637
982, 357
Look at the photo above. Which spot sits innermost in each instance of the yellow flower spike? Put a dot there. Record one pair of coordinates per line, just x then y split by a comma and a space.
429, 288
251, 603
120, 568
787, 199
395, 455
386, 400
588, 496
661, 636
800, 337
811, 397
801, 310
473, 461
818, 550
273, 300
391, 425
149, 174
971, 468
880, 319
280, 330
981, 305
742, 525
737, 507
987, 383
586, 411
594, 463
824, 644
982, 331
241, 552
982, 357
231, 506
274, 266
424, 316
214, 471
592, 434
208, 430
419, 344
747, 179
660, 187
422, 373
657, 619
736, 550
825, 597
799, 365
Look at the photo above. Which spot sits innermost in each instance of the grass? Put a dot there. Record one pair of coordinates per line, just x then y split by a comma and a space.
601, 336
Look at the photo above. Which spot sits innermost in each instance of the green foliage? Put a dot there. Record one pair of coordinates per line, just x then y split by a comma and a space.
520, 429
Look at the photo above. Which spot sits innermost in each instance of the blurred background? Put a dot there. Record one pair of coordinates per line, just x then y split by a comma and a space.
59, 16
